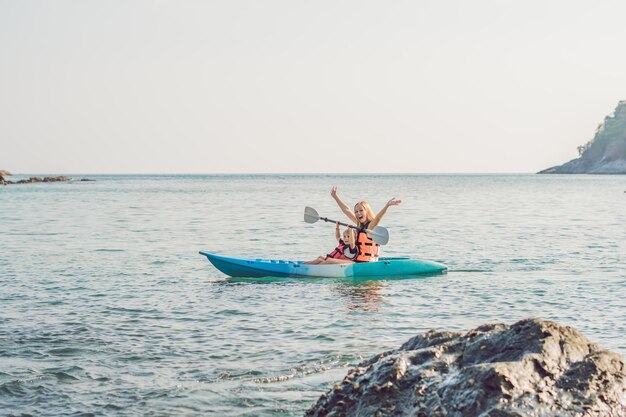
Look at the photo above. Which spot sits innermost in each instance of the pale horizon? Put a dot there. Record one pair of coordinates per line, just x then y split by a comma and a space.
20, 174
280, 87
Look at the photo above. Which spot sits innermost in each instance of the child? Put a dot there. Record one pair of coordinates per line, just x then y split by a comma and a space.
344, 253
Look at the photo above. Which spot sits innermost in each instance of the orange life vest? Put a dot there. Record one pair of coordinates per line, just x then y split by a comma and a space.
368, 250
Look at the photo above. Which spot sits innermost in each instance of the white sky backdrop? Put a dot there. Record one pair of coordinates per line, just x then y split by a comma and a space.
304, 86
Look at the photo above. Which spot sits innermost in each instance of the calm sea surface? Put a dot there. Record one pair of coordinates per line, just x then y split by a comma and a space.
106, 307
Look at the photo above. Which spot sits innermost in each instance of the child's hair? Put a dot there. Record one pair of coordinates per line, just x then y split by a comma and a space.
352, 234
369, 213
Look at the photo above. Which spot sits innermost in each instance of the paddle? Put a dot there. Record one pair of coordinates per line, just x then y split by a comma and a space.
379, 234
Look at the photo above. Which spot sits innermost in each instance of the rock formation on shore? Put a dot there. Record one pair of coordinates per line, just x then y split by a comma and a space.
34, 179
605, 153
531, 368
3, 174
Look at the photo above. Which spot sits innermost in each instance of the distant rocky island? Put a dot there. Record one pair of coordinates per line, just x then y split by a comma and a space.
605, 153
31, 180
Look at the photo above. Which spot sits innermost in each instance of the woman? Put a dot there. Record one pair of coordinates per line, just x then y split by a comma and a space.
363, 217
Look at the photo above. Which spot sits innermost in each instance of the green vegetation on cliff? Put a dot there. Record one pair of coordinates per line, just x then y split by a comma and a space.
610, 136
605, 153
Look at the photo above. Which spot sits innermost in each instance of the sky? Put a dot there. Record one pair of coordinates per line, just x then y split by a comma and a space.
297, 86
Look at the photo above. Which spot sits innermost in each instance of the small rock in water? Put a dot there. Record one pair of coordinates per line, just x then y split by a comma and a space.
55, 179
533, 367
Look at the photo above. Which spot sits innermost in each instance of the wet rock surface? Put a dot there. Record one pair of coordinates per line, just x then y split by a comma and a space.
531, 368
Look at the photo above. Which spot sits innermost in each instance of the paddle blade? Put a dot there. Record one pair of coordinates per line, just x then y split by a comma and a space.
310, 215
380, 235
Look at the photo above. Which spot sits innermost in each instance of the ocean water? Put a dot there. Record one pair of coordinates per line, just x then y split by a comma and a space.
107, 309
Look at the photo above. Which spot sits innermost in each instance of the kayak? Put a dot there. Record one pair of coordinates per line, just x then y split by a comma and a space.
384, 267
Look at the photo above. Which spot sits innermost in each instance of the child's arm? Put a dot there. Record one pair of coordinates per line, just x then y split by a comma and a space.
337, 234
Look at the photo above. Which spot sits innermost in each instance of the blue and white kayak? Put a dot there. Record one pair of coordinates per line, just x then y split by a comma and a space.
384, 267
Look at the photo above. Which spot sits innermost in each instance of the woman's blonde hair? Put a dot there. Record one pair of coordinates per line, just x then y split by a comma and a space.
369, 214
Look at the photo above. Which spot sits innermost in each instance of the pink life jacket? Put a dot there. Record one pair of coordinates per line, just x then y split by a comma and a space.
343, 251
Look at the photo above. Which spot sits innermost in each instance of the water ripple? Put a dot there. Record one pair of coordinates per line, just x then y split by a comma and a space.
111, 312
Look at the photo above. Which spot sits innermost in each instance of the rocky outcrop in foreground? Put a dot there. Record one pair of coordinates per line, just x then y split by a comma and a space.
531, 368
605, 153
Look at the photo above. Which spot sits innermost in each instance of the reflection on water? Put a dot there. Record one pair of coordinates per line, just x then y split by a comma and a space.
358, 295
362, 296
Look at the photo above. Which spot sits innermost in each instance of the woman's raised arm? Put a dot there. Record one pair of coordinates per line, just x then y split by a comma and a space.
343, 206
393, 202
